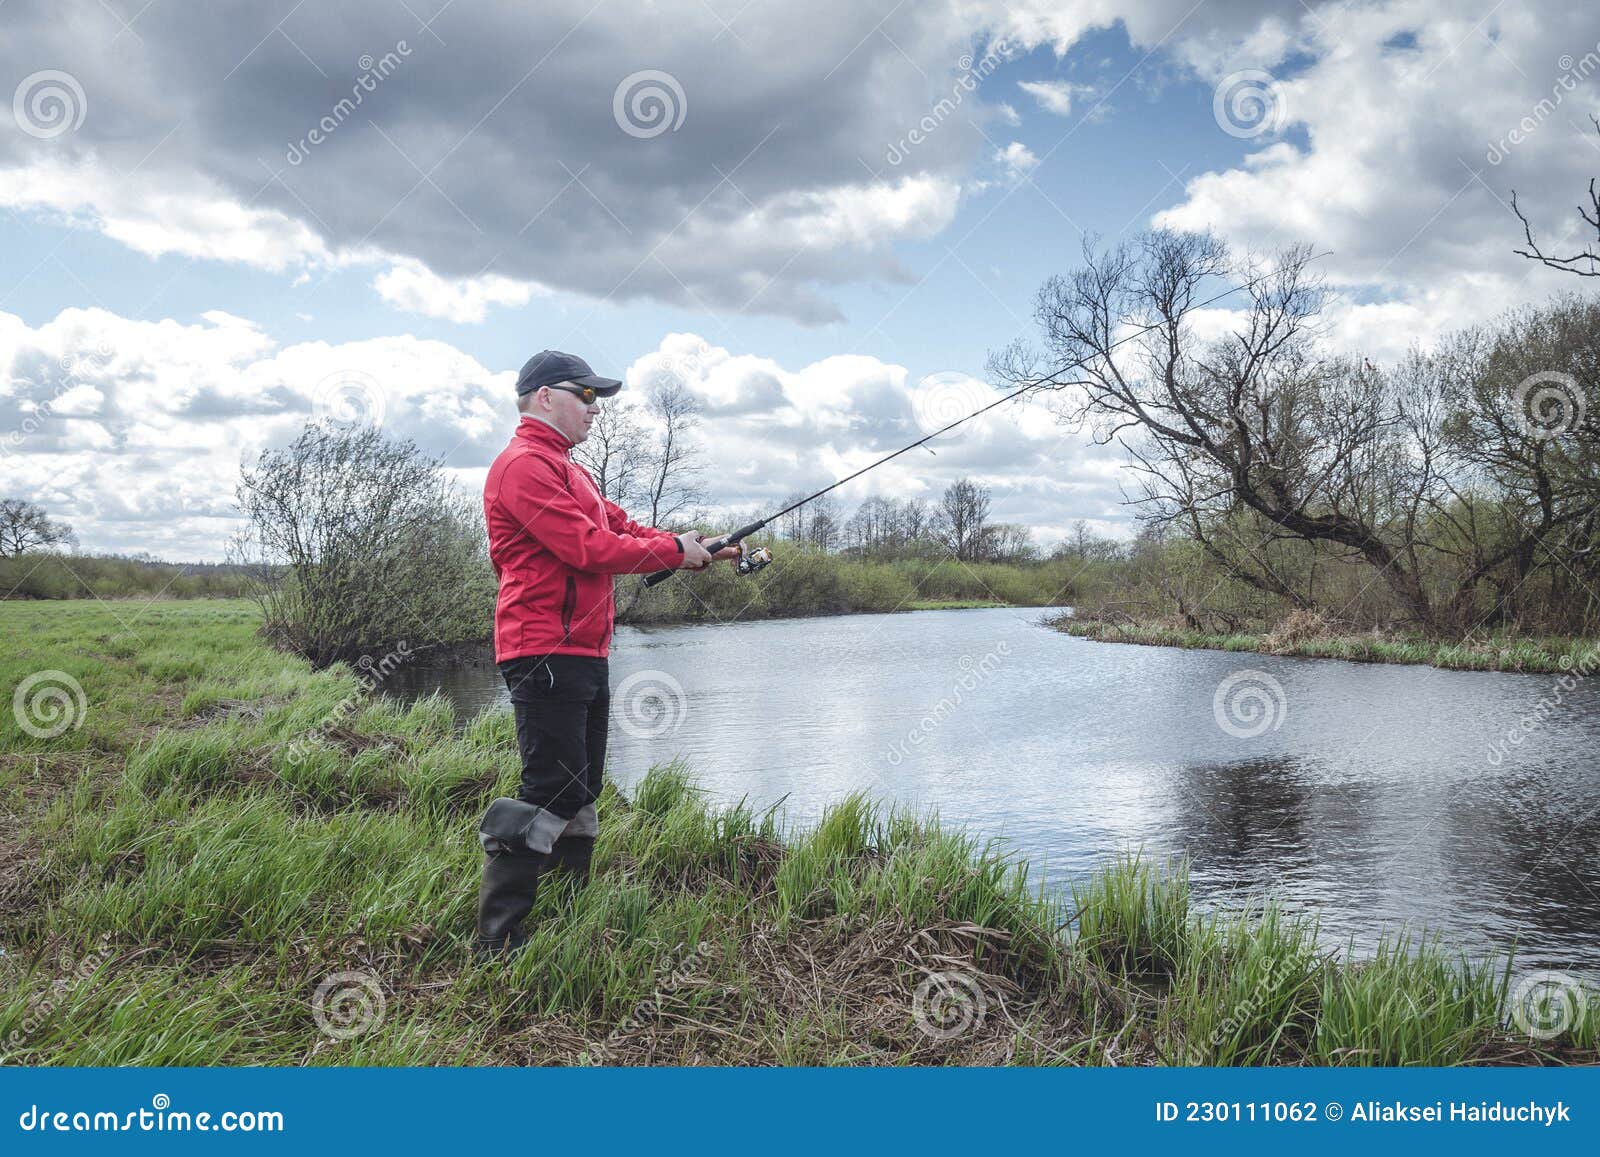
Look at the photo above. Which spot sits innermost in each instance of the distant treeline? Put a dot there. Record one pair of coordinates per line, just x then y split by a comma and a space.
803, 580
51, 575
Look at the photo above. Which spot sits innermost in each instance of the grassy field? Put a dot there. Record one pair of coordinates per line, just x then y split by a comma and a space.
1547, 655
225, 858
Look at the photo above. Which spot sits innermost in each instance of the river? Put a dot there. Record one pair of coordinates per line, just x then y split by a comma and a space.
1378, 797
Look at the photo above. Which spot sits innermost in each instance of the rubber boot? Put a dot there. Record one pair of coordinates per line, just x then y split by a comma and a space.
509, 887
573, 855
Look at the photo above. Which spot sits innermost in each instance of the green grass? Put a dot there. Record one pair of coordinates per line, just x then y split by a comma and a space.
175, 889
1548, 655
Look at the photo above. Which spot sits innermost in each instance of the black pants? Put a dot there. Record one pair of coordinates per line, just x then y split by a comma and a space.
562, 705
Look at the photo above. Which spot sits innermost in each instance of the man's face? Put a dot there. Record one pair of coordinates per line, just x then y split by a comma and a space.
567, 413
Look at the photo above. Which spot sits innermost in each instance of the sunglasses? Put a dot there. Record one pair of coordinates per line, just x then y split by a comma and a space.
586, 394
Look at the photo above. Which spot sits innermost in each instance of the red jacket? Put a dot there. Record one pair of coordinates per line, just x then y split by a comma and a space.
555, 541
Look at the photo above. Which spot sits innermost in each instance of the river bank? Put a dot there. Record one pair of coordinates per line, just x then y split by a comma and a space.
1544, 655
219, 847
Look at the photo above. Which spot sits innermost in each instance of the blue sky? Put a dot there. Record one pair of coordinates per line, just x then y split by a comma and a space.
867, 276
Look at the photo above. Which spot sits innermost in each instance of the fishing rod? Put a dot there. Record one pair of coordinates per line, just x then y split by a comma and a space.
737, 537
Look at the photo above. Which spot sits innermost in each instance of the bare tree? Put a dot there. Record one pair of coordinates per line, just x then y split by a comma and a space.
1250, 421
961, 519
674, 465
617, 453
24, 526
791, 527
1009, 542
822, 523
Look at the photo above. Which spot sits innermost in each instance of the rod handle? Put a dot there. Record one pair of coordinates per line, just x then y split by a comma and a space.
712, 547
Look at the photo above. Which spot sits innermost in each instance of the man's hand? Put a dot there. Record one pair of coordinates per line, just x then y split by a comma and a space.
695, 556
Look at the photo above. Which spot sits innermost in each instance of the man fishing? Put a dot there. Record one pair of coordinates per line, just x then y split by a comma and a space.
554, 542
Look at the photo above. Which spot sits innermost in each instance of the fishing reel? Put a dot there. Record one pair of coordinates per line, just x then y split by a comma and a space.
752, 560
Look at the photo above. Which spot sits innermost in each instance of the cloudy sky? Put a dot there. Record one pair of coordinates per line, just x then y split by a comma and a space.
223, 219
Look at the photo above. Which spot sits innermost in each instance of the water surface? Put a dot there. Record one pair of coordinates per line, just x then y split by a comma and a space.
1379, 797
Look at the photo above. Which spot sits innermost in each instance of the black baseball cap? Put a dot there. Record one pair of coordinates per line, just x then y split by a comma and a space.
552, 367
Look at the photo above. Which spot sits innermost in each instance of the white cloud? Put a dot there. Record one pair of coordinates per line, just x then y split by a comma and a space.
1054, 96
1017, 159
133, 431
156, 217
411, 286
